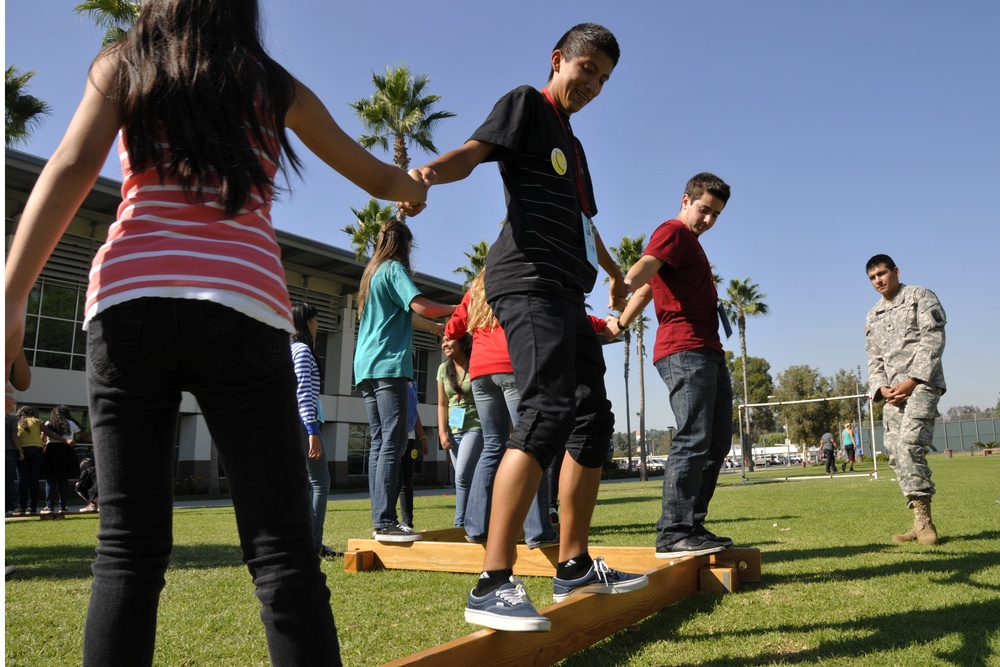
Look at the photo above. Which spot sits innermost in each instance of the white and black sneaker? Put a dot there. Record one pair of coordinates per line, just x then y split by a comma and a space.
692, 545
396, 534
507, 608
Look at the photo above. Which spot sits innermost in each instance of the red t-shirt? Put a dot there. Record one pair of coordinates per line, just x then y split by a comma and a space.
489, 346
684, 294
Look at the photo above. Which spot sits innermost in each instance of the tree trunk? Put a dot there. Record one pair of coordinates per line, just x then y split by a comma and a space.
641, 354
628, 410
747, 437
402, 160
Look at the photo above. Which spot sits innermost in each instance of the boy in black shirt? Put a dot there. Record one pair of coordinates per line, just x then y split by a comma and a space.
538, 272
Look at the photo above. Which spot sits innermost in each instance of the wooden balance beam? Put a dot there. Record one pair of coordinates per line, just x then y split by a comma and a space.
578, 622
447, 551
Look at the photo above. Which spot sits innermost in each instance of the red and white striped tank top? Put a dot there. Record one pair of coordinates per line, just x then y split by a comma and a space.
165, 245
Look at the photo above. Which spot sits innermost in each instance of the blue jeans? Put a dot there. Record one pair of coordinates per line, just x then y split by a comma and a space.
29, 473
141, 355
469, 445
701, 395
496, 399
10, 503
319, 487
405, 486
385, 401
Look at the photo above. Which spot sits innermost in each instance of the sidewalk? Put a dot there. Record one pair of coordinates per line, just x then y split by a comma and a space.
355, 495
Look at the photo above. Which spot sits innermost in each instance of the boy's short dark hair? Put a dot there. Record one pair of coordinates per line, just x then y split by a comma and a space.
879, 260
707, 182
584, 39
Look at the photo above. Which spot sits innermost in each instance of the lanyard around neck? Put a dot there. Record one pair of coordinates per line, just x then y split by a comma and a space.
578, 163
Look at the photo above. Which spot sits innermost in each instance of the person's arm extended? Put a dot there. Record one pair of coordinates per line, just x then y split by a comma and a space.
616, 288
424, 307
311, 122
62, 186
20, 373
450, 167
641, 272
425, 324
633, 310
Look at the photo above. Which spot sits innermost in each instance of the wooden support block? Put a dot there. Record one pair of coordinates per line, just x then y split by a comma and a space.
718, 579
746, 561
576, 624
361, 561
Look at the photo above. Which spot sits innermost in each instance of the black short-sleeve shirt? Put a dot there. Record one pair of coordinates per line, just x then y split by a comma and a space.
541, 246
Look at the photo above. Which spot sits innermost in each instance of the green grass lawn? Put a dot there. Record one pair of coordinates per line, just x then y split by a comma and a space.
835, 590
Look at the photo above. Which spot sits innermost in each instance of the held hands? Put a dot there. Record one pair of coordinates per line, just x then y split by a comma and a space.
426, 177
617, 294
614, 328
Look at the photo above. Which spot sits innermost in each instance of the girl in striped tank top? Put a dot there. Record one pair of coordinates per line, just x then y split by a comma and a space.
188, 294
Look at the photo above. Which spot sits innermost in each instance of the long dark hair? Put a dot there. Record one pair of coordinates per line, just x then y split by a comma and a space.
301, 314
59, 419
24, 413
450, 372
394, 242
195, 70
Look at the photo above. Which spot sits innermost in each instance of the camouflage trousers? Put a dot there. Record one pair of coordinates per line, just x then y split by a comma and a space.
909, 432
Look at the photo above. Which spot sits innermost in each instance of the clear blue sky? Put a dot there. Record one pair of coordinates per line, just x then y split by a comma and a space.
845, 129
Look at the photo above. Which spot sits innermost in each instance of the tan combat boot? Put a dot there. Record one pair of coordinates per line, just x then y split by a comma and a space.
923, 529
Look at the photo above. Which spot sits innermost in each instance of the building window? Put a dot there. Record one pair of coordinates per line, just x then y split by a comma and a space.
359, 441
54, 335
420, 360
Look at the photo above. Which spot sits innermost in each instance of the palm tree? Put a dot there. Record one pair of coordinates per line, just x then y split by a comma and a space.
399, 111
21, 111
744, 298
116, 17
625, 254
370, 219
477, 262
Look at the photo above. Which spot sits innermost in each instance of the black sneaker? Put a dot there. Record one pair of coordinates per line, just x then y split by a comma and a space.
701, 531
396, 534
692, 545
327, 552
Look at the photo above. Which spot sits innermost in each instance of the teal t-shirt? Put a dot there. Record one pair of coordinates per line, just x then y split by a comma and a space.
385, 334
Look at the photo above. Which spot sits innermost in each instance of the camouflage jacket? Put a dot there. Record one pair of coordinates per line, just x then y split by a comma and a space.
904, 338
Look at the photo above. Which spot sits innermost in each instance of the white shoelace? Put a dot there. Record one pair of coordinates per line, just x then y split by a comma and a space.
514, 596
602, 569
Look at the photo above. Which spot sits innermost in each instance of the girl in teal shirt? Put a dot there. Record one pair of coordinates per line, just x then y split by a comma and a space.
383, 364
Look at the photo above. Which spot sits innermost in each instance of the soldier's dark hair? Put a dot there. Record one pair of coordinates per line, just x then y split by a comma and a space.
586, 38
879, 260
706, 182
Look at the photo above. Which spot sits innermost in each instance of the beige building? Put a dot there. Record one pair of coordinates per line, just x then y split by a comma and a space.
322, 275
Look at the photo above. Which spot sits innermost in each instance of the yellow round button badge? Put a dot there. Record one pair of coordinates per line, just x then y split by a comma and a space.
559, 161
414, 454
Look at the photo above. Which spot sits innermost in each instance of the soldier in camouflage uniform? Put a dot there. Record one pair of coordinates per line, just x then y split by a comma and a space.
904, 335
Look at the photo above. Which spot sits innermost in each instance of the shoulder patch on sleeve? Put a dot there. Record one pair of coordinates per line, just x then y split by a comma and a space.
936, 314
